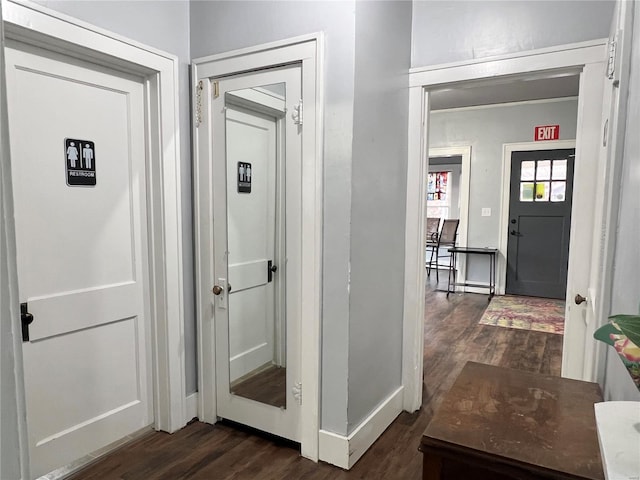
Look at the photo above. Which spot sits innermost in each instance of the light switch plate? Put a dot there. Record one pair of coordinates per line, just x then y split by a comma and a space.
486, 212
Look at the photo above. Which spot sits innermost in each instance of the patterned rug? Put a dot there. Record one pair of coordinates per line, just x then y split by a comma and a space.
526, 313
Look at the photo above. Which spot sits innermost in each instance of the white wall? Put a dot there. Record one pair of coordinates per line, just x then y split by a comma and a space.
487, 129
165, 26
379, 177
626, 279
451, 31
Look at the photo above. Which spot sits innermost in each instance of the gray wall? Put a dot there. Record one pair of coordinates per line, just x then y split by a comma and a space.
379, 177
446, 31
222, 26
486, 129
626, 279
165, 26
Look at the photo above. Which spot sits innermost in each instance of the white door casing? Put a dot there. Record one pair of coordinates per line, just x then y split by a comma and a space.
32, 24
308, 51
588, 58
244, 241
82, 265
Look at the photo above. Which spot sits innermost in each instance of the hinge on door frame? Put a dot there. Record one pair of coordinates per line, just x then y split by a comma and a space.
611, 64
296, 115
216, 89
297, 392
198, 118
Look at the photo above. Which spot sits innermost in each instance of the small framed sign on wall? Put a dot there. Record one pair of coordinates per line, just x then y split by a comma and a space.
80, 161
244, 177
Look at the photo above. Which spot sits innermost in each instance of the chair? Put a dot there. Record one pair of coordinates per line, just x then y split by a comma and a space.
447, 238
431, 240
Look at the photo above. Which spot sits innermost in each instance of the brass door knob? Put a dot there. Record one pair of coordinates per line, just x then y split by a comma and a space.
217, 289
579, 299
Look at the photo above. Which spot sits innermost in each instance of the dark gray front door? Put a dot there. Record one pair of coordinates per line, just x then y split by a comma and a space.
539, 222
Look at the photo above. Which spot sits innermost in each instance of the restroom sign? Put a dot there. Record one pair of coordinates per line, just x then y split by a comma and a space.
244, 177
80, 161
546, 132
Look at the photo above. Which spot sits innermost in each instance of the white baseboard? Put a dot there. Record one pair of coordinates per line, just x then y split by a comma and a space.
191, 407
343, 451
249, 360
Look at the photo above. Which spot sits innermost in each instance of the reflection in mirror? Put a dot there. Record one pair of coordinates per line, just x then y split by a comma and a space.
256, 248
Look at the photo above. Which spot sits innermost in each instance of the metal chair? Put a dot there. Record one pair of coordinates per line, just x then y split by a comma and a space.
431, 240
447, 238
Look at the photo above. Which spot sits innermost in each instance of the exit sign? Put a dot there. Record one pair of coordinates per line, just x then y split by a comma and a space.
546, 132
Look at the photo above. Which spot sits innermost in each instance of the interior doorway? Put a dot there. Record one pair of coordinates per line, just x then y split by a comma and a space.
586, 63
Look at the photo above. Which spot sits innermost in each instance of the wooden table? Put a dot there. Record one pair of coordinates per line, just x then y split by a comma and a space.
497, 423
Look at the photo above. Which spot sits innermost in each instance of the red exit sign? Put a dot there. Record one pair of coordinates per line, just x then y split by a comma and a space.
546, 132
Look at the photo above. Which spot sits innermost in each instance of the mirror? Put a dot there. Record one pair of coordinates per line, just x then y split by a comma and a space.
256, 243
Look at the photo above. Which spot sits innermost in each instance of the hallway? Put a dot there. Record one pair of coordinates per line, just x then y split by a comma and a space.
452, 337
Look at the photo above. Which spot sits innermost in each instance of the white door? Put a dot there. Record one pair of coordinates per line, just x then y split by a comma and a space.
81, 251
257, 233
582, 355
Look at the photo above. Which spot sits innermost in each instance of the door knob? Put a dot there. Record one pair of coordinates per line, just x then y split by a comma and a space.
217, 289
579, 299
514, 233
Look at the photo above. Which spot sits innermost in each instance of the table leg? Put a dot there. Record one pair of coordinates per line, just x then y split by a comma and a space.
431, 466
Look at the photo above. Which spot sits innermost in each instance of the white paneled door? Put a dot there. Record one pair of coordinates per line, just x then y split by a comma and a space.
78, 161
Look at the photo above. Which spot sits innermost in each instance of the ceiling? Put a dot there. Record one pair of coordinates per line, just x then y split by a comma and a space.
504, 92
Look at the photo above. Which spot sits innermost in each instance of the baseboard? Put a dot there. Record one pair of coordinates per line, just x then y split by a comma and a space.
191, 407
249, 360
345, 451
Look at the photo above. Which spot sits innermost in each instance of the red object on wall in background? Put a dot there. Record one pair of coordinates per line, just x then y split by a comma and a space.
546, 132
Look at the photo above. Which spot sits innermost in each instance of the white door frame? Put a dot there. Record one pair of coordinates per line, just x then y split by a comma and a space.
588, 59
29, 23
465, 185
307, 50
503, 239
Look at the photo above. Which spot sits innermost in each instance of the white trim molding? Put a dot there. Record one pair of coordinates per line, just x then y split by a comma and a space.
29, 23
345, 451
308, 51
582, 58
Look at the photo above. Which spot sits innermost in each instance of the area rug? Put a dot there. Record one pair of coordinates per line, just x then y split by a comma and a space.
526, 313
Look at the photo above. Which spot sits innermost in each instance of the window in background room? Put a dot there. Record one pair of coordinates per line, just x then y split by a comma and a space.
438, 198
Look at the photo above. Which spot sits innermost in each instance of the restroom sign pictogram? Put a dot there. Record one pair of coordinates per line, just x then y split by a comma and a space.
80, 161
244, 177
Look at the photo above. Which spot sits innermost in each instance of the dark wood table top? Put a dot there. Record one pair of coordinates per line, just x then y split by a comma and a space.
538, 422
480, 250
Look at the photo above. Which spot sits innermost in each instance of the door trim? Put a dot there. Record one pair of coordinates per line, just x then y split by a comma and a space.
507, 150
31, 24
465, 185
308, 50
586, 58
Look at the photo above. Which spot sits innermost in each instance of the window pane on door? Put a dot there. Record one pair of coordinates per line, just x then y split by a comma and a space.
526, 191
559, 170
543, 172
558, 191
542, 191
527, 170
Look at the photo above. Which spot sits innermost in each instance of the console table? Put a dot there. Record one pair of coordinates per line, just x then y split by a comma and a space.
497, 423
490, 252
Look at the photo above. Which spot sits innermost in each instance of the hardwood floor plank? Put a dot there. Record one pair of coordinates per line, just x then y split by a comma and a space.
224, 452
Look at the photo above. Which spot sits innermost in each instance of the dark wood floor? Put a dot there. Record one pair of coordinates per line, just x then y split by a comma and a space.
266, 386
452, 337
